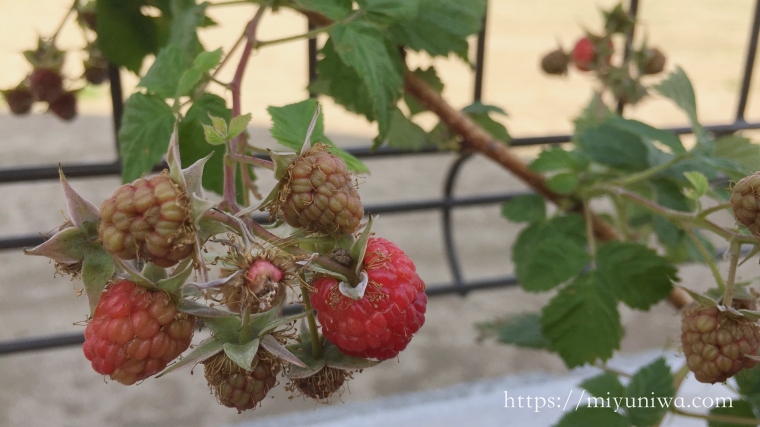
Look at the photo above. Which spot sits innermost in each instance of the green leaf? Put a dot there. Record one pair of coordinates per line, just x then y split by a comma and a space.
342, 83
361, 46
563, 183
97, 269
586, 416
406, 134
238, 125
678, 88
645, 131
522, 330
595, 112
653, 383
526, 208
613, 147
192, 141
604, 385
635, 274
333, 9
163, 76
700, 184
549, 253
291, 122
242, 354
207, 61
669, 194
213, 136
479, 113
389, 11
738, 408
740, 150
186, 18
582, 322
557, 159
441, 28
125, 35
203, 63
430, 77
748, 381
144, 135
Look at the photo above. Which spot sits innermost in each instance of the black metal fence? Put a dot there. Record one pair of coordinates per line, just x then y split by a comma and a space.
445, 204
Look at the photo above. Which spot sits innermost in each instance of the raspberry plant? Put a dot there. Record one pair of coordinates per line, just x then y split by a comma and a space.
160, 252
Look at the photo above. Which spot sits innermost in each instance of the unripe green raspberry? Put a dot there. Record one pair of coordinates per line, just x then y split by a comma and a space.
149, 219
717, 344
745, 202
238, 388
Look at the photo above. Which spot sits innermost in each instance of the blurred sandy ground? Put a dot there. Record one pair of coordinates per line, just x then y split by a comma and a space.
57, 387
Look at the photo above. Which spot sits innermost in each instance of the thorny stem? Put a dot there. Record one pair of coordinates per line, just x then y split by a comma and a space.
230, 167
255, 161
734, 253
718, 418
707, 257
311, 34
316, 346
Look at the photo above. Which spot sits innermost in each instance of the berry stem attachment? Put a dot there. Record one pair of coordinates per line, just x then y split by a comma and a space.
316, 345
251, 160
734, 253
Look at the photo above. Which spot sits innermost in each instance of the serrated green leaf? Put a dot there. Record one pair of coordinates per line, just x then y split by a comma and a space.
635, 274
212, 135
740, 150
163, 76
748, 381
406, 134
146, 127
290, 124
187, 16
203, 351
549, 253
613, 147
669, 194
698, 182
125, 35
207, 61
333, 9
97, 269
654, 383
586, 416
441, 28
219, 124
603, 385
193, 145
389, 11
644, 130
242, 354
738, 408
496, 129
203, 63
557, 159
430, 77
595, 112
678, 88
582, 322
563, 183
361, 45
525, 208
522, 330
238, 125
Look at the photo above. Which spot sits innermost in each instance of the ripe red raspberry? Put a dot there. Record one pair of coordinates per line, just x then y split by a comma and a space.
382, 323
585, 54
716, 343
555, 62
65, 106
745, 202
237, 388
149, 219
135, 333
45, 84
319, 195
19, 100
322, 385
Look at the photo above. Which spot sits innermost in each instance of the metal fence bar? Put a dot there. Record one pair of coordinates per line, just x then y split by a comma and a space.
749, 64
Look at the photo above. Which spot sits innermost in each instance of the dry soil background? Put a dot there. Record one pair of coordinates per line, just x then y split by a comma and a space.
57, 387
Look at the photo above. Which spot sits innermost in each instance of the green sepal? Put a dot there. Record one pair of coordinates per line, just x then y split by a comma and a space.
281, 321
80, 210
273, 346
66, 246
242, 354
302, 350
205, 350
334, 358
282, 161
196, 309
173, 159
97, 269
225, 329
207, 228
153, 272
700, 298
198, 207
134, 275
259, 321
359, 248
193, 175
173, 283
321, 270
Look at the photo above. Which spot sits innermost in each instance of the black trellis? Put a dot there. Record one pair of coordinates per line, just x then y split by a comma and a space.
446, 204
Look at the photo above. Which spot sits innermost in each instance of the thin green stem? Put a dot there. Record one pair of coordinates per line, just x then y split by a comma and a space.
713, 209
622, 217
680, 375
590, 238
718, 418
250, 160
709, 258
648, 173
311, 34
734, 252
613, 371
316, 345
63, 22
231, 3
